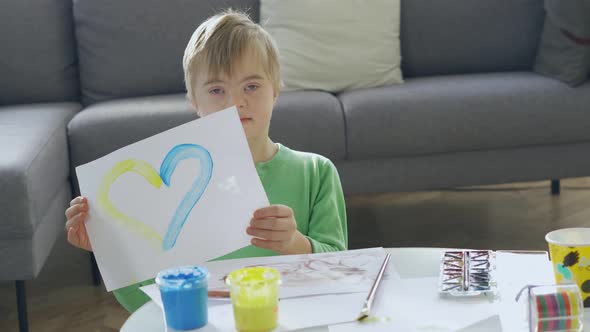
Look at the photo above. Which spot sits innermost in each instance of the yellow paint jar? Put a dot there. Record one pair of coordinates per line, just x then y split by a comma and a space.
254, 294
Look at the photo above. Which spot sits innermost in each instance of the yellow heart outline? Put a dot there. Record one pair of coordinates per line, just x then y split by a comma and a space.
147, 172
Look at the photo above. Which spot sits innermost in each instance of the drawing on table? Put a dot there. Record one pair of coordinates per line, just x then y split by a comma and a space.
352, 267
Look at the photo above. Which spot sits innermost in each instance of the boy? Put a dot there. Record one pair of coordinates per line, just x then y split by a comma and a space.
229, 61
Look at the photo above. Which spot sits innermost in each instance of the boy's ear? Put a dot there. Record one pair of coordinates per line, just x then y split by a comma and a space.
191, 101
196, 107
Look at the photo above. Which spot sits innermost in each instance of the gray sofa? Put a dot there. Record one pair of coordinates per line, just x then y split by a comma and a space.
39, 92
79, 80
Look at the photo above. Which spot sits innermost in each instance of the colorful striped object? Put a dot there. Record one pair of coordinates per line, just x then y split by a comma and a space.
558, 311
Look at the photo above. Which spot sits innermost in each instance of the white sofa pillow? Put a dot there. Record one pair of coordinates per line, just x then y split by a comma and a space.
335, 45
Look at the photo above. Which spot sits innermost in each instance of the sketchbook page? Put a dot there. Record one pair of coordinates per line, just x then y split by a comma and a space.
167, 200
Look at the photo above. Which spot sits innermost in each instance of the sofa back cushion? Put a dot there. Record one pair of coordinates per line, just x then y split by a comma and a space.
135, 47
466, 36
337, 45
37, 52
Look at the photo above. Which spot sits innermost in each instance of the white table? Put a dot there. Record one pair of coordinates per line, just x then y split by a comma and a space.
424, 262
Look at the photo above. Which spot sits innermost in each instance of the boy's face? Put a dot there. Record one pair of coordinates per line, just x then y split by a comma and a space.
248, 88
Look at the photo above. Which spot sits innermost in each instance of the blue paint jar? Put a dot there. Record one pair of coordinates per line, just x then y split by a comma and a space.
184, 295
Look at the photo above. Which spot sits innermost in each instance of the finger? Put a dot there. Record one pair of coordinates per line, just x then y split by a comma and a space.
277, 210
76, 209
76, 220
273, 224
72, 211
75, 201
73, 237
268, 235
78, 200
266, 244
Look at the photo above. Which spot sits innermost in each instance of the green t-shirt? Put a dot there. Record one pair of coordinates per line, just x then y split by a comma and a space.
309, 184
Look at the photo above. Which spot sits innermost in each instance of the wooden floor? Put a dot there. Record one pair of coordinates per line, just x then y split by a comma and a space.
514, 216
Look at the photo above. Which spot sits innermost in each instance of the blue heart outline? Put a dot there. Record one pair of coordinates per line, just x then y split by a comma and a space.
190, 199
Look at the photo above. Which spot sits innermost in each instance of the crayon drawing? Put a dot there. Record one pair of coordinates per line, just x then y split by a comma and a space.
316, 271
313, 274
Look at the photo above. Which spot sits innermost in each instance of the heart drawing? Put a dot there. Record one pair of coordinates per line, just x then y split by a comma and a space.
190, 199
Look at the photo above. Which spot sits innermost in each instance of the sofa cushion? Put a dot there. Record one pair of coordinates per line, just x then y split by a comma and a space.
105, 127
308, 42
23, 258
38, 57
134, 47
464, 113
571, 15
310, 121
465, 36
447, 170
564, 51
562, 58
34, 164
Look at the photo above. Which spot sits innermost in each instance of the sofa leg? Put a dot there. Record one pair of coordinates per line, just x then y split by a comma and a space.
21, 302
555, 187
95, 272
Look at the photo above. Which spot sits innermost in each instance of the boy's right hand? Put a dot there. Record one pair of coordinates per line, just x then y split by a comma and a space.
77, 214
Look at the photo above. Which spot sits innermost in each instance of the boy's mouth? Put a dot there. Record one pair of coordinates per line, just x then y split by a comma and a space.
243, 120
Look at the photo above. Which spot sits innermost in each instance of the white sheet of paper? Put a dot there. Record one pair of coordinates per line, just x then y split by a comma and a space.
490, 324
294, 314
154, 293
312, 274
138, 228
414, 305
350, 271
514, 271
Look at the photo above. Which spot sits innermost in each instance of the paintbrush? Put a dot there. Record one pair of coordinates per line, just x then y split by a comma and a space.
366, 311
218, 294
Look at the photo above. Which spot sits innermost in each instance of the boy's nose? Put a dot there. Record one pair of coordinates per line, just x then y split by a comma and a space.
238, 100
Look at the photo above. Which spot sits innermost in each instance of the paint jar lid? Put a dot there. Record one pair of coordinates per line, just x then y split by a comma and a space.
182, 276
253, 276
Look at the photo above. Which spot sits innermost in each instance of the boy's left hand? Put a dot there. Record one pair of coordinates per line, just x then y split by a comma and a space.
274, 227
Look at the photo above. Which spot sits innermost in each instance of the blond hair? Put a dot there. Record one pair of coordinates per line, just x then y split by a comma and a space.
222, 39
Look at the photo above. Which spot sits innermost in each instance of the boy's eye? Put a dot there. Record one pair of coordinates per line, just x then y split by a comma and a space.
251, 87
216, 91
